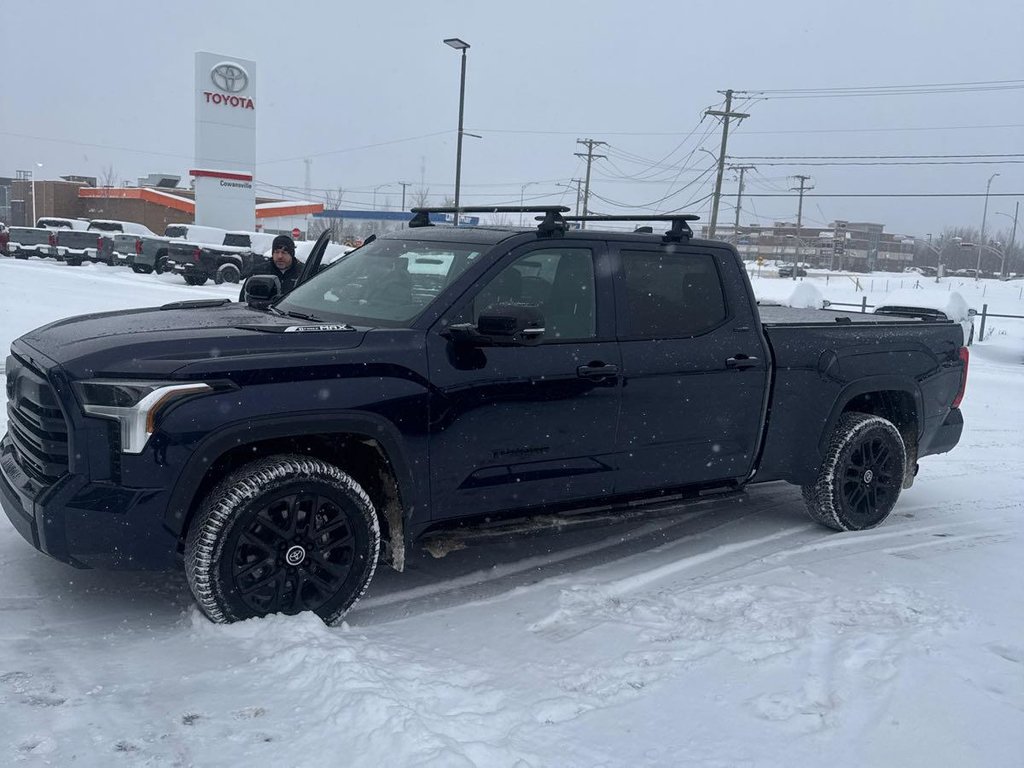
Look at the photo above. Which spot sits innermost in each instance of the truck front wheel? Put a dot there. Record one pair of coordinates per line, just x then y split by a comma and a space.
284, 534
862, 474
195, 279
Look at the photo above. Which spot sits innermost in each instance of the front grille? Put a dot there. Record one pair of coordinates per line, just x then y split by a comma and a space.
35, 423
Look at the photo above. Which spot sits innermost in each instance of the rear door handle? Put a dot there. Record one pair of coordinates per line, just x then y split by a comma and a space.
597, 371
742, 361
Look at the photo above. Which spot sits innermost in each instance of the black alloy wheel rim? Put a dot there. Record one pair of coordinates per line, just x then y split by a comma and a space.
870, 480
294, 554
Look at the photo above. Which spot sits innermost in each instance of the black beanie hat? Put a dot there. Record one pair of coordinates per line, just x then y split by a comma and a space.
283, 243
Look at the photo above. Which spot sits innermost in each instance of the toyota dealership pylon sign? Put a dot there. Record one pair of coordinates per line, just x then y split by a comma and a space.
226, 105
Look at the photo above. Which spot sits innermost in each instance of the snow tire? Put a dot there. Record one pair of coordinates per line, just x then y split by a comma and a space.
195, 279
294, 527
861, 477
227, 273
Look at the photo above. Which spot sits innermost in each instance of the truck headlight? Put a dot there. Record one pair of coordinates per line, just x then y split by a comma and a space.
133, 404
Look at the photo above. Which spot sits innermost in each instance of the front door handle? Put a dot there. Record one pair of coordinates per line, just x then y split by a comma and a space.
597, 371
742, 361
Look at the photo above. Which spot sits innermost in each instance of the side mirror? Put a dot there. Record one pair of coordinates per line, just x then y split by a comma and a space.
511, 324
261, 290
500, 326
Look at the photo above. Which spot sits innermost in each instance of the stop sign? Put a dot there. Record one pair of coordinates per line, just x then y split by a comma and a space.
296, 233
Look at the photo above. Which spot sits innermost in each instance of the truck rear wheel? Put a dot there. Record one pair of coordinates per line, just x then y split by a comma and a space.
284, 534
862, 474
195, 279
160, 265
227, 273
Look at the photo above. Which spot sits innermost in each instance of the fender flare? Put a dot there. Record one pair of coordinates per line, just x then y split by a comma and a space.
231, 436
872, 384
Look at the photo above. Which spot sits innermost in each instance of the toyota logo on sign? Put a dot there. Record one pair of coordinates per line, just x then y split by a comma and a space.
229, 77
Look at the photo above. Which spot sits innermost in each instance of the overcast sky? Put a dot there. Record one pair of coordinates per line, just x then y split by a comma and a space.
95, 84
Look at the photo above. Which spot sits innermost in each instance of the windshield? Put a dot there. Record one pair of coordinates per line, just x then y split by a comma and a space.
388, 282
106, 226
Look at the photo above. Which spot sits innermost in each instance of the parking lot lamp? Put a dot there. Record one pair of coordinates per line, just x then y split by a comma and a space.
459, 45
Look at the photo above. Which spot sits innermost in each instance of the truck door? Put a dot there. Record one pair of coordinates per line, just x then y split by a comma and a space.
694, 365
522, 426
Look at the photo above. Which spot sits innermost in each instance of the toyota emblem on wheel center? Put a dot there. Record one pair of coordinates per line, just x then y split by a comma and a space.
229, 77
295, 555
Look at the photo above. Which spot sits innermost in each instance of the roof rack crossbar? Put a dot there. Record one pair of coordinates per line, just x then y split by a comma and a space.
551, 222
679, 231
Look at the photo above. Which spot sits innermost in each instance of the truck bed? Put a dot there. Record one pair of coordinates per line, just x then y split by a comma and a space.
773, 315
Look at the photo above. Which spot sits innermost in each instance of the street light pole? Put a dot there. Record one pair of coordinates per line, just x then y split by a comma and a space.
459, 45
984, 215
34, 219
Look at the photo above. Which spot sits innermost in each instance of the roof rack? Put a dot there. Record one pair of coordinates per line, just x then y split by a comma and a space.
552, 214
680, 229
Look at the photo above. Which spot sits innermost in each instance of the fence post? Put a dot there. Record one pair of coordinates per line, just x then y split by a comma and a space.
984, 314
864, 306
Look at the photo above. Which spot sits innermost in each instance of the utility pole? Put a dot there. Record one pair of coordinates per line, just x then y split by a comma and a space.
590, 144
309, 183
726, 115
800, 207
739, 194
404, 185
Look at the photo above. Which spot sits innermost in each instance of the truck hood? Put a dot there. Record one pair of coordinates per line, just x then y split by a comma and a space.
185, 339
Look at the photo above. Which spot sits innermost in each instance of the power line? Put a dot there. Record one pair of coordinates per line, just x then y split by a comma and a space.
868, 157
886, 87
890, 162
896, 194
889, 90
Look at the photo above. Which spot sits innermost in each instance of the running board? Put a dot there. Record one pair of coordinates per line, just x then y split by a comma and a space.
441, 541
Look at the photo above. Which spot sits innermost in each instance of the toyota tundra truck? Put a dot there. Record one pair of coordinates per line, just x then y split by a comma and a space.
277, 449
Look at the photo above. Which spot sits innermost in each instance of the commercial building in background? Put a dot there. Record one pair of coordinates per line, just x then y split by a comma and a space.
845, 245
154, 206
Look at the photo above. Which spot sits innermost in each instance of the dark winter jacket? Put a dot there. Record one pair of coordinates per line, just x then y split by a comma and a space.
287, 278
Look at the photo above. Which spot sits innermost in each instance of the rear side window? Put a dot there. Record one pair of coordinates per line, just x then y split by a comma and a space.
239, 241
671, 295
176, 230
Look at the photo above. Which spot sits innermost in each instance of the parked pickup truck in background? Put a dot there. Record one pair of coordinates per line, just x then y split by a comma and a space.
435, 376
228, 262
41, 240
96, 243
148, 253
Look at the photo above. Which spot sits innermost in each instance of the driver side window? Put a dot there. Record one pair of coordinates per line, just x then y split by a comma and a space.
559, 282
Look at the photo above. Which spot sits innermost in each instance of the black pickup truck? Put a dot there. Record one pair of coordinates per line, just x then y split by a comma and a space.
231, 261
279, 448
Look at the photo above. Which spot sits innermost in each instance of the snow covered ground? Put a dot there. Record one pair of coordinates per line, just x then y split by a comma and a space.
731, 634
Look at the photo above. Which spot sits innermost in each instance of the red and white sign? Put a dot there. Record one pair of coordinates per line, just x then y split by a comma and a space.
225, 156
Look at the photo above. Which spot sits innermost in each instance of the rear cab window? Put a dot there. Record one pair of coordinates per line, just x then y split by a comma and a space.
670, 294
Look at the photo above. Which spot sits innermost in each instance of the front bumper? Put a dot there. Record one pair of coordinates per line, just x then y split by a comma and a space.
88, 524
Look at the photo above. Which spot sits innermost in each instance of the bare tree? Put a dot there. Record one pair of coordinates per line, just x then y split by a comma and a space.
109, 177
332, 201
421, 196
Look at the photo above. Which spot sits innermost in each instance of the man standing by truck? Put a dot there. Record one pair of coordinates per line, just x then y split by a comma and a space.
283, 265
